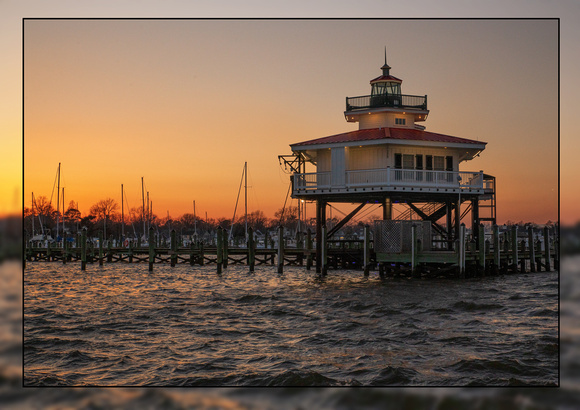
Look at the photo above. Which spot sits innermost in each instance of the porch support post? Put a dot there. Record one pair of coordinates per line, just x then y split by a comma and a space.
387, 209
475, 219
320, 220
457, 218
448, 223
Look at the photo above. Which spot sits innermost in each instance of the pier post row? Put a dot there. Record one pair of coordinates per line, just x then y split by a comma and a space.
392, 159
422, 180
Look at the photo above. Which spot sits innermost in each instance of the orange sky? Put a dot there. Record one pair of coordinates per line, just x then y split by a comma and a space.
184, 103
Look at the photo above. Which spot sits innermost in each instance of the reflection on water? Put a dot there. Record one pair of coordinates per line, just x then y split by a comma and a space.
119, 325
565, 397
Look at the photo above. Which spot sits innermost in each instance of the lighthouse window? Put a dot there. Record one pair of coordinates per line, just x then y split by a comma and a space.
408, 161
398, 161
400, 121
419, 166
429, 167
439, 163
386, 88
449, 163
429, 162
378, 88
393, 88
419, 161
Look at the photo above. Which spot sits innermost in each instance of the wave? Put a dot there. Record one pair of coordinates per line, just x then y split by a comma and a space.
395, 376
474, 306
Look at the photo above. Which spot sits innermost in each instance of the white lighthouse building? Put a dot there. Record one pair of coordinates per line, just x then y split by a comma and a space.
390, 159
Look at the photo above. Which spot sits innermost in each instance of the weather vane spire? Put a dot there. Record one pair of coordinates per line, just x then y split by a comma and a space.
385, 67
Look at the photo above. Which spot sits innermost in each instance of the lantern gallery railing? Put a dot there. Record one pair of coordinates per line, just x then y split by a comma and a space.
388, 177
408, 102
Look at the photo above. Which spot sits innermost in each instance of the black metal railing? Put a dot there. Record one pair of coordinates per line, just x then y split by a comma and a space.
417, 102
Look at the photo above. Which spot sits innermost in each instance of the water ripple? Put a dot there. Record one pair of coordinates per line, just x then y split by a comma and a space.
186, 326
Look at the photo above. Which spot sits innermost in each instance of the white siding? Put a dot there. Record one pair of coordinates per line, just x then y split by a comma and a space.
338, 165
340, 159
370, 157
323, 160
384, 119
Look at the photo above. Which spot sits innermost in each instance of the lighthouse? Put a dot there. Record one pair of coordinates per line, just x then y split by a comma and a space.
393, 159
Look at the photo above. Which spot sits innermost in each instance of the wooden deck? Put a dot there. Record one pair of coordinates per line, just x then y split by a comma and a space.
500, 256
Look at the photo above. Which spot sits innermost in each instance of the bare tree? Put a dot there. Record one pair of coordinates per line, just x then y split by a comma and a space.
72, 214
104, 209
45, 212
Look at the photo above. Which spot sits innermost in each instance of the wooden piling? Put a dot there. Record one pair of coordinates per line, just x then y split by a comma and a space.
191, 253
130, 251
496, 250
84, 249
461, 250
49, 251
201, 254
523, 258
547, 248
251, 249
220, 252
531, 249
324, 252
109, 249
320, 221
225, 248
413, 248
300, 246
514, 248
481, 250
173, 256
64, 248
538, 253
381, 270
367, 250
280, 249
151, 249
309, 249
101, 248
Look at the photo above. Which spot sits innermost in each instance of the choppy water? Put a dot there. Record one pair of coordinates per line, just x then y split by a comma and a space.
13, 396
120, 325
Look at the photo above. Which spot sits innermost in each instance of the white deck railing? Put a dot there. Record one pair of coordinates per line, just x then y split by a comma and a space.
390, 177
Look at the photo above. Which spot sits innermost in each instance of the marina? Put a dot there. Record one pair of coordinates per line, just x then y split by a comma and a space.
508, 252
390, 161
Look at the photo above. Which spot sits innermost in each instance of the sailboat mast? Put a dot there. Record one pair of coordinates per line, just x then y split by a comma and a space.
122, 215
143, 208
148, 213
63, 213
246, 195
33, 214
57, 201
194, 220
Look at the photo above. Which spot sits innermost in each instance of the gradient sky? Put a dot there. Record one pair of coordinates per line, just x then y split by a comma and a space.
185, 103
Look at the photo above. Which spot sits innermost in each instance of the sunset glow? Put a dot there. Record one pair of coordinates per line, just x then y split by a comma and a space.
184, 103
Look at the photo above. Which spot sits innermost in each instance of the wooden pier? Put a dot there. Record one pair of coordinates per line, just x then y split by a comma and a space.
502, 253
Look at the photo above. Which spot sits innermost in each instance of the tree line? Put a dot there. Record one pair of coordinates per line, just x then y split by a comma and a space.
105, 215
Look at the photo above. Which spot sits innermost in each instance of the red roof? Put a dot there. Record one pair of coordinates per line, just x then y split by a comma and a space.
408, 134
386, 78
